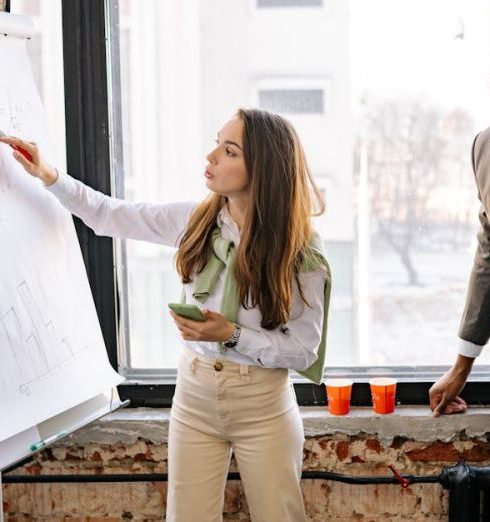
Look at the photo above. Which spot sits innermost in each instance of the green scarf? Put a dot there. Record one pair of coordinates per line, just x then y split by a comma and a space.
223, 257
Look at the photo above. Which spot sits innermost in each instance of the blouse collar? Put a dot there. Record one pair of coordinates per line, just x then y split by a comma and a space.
226, 222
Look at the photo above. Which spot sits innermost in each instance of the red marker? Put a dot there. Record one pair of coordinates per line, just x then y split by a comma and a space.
17, 148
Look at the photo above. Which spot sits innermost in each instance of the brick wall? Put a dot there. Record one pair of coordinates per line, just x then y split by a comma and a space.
360, 454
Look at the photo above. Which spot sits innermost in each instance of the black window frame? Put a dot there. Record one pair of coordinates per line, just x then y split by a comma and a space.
90, 158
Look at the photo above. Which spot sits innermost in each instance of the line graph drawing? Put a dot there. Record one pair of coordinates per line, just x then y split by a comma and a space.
34, 347
4, 108
52, 352
5, 184
15, 113
15, 117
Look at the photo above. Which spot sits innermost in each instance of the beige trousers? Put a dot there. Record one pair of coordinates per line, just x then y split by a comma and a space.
220, 407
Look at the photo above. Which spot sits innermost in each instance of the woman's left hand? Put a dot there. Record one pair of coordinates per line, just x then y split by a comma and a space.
216, 327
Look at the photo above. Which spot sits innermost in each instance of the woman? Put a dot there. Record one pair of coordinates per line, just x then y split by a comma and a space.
245, 251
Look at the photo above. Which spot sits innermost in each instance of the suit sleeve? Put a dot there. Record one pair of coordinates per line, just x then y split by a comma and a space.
475, 322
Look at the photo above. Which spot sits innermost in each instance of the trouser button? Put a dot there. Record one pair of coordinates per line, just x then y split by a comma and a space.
218, 366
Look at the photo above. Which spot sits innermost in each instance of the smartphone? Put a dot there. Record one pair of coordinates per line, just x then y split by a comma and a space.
187, 310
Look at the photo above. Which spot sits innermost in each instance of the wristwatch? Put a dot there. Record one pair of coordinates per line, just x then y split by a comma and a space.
233, 339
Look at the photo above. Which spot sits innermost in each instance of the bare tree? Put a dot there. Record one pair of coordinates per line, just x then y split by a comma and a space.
409, 144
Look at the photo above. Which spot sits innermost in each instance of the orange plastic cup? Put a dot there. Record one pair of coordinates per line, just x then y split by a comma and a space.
383, 392
338, 395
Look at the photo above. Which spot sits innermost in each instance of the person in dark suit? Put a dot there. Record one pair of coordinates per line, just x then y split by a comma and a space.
474, 330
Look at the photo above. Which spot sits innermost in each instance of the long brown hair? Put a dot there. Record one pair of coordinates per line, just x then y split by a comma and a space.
277, 228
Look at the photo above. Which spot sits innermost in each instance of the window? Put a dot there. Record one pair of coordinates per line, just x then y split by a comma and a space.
416, 197
292, 101
391, 153
289, 3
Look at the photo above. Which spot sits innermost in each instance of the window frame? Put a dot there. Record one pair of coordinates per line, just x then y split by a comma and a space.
89, 145
94, 155
271, 7
254, 5
287, 12
293, 84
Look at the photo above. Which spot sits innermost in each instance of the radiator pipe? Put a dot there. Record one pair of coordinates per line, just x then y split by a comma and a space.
463, 482
163, 477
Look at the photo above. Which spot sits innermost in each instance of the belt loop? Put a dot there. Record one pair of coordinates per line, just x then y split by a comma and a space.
244, 373
193, 365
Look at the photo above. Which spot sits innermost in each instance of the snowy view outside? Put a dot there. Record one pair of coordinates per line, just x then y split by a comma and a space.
420, 85
386, 95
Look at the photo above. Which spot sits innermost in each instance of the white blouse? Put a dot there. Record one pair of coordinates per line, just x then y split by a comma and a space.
294, 345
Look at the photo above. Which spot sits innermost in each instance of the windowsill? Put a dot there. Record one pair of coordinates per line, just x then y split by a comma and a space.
409, 422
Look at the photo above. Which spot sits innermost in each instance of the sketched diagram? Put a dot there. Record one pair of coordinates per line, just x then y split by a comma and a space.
15, 113
15, 118
5, 184
31, 346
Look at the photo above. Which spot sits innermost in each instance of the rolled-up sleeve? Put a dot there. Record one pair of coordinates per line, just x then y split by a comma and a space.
294, 345
113, 217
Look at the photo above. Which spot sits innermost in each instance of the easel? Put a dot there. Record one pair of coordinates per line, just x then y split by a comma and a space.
68, 430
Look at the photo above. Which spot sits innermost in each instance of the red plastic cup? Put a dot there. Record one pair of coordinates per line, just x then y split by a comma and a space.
383, 392
338, 395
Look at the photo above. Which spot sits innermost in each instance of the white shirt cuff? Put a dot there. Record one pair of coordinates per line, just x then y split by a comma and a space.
469, 349
251, 343
59, 186
53, 182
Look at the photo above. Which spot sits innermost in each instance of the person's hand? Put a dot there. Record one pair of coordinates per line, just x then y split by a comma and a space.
37, 167
444, 394
216, 327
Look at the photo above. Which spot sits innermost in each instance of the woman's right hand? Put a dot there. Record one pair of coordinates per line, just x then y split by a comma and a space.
37, 167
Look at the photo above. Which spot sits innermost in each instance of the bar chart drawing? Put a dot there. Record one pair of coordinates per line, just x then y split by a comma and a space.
35, 346
53, 360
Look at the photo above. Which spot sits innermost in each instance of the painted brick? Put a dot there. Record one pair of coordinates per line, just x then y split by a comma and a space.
342, 450
478, 452
324, 500
436, 451
374, 445
233, 497
316, 494
433, 498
